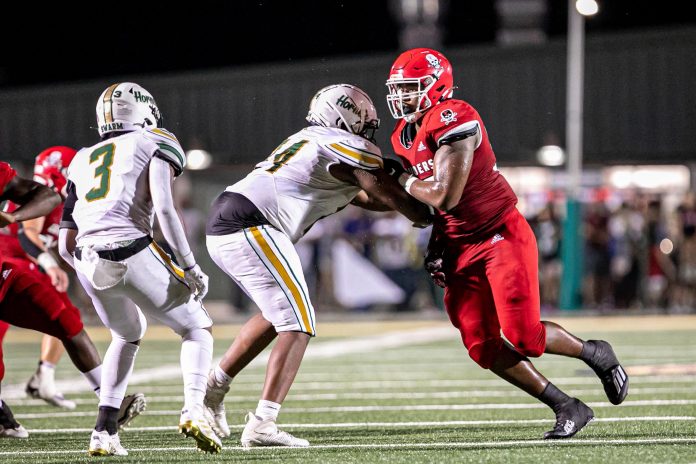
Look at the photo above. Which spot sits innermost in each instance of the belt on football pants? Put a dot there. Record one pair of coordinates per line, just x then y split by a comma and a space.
119, 254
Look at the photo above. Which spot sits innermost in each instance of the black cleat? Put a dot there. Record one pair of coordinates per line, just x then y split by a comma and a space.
606, 365
571, 417
131, 407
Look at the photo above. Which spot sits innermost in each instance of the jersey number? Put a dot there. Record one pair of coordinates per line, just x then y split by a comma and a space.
103, 171
284, 156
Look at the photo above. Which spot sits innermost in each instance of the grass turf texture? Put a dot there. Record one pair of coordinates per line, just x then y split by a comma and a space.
406, 403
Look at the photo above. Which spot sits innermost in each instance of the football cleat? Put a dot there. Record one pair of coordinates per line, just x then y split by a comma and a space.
571, 417
198, 429
42, 385
103, 444
9, 427
131, 407
259, 432
215, 407
613, 376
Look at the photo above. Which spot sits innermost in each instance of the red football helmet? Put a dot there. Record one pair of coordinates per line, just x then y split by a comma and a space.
51, 167
420, 73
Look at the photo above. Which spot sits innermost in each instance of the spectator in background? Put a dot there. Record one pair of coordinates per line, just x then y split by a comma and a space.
660, 269
547, 229
597, 284
395, 252
626, 229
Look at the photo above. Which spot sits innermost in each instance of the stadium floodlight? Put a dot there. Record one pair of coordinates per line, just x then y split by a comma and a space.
587, 7
551, 155
198, 159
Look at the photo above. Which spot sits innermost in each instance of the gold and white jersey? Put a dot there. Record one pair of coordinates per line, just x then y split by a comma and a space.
293, 188
112, 188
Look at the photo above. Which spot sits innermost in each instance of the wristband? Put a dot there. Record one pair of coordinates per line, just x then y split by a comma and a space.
46, 261
408, 183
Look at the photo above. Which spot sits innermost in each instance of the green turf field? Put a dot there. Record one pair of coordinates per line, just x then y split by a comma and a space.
403, 396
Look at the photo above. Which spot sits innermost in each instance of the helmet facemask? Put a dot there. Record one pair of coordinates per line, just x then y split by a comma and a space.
399, 96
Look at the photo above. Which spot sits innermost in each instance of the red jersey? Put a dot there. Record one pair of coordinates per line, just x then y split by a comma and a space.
9, 244
6, 175
487, 196
51, 226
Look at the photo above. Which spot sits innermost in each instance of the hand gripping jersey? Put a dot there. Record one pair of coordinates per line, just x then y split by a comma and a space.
110, 183
487, 196
293, 187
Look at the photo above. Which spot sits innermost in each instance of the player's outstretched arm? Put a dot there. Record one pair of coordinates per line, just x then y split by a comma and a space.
452, 164
382, 189
35, 200
161, 176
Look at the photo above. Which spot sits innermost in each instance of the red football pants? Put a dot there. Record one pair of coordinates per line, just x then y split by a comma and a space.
493, 285
30, 301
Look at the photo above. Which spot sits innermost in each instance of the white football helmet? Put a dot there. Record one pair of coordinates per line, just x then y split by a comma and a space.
346, 107
126, 107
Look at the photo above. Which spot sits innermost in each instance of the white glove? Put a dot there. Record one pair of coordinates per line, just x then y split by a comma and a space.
197, 280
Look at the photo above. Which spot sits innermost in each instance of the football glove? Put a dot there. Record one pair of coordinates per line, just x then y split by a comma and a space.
197, 281
433, 264
393, 167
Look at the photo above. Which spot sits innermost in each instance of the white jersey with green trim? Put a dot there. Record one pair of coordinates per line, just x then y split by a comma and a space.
112, 187
293, 187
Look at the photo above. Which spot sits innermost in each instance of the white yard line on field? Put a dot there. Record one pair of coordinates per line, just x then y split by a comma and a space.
347, 425
412, 407
330, 349
443, 445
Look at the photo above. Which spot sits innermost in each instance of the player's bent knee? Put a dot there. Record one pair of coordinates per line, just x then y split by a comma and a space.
485, 353
529, 342
68, 325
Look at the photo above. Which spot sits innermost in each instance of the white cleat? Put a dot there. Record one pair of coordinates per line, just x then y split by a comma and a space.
42, 385
103, 444
131, 407
18, 431
215, 408
196, 427
258, 432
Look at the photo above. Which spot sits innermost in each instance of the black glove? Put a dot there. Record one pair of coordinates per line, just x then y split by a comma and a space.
433, 264
393, 167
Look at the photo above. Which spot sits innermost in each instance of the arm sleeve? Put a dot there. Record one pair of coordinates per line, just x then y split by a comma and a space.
356, 152
29, 246
168, 148
160, 177
67, 221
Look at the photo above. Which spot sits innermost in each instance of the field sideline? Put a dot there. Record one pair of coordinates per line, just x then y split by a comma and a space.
390, 391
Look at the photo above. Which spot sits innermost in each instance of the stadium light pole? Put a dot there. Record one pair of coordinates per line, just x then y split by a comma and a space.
571, 247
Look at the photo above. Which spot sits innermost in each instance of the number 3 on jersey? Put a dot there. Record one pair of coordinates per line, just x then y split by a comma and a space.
102, 171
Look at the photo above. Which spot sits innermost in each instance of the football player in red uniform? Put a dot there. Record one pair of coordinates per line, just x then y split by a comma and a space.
482, 250
37, 237
43, 308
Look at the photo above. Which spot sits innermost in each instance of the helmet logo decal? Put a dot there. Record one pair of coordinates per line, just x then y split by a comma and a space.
448, 116
54, 159
346, 102
432, 59
139, 97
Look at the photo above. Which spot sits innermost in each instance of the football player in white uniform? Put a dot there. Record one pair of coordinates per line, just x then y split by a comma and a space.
254, 223
115, 189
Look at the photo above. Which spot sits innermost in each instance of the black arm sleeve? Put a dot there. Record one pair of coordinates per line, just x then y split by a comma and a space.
67, 221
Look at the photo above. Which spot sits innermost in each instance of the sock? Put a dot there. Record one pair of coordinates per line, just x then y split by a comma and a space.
107, 419
553, 397
93, 377
220, 377
117, 368
588, 351
196, 357
267, 410
45, 365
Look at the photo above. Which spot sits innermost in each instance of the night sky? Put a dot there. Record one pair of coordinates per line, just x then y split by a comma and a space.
46, 43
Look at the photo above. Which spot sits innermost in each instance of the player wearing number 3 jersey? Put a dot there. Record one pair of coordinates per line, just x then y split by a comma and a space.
115, 188
254, 223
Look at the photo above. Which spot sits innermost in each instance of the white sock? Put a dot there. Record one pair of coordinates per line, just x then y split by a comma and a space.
220, 377
267, 410
44, 365
117, 367
196, 357
93, 377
